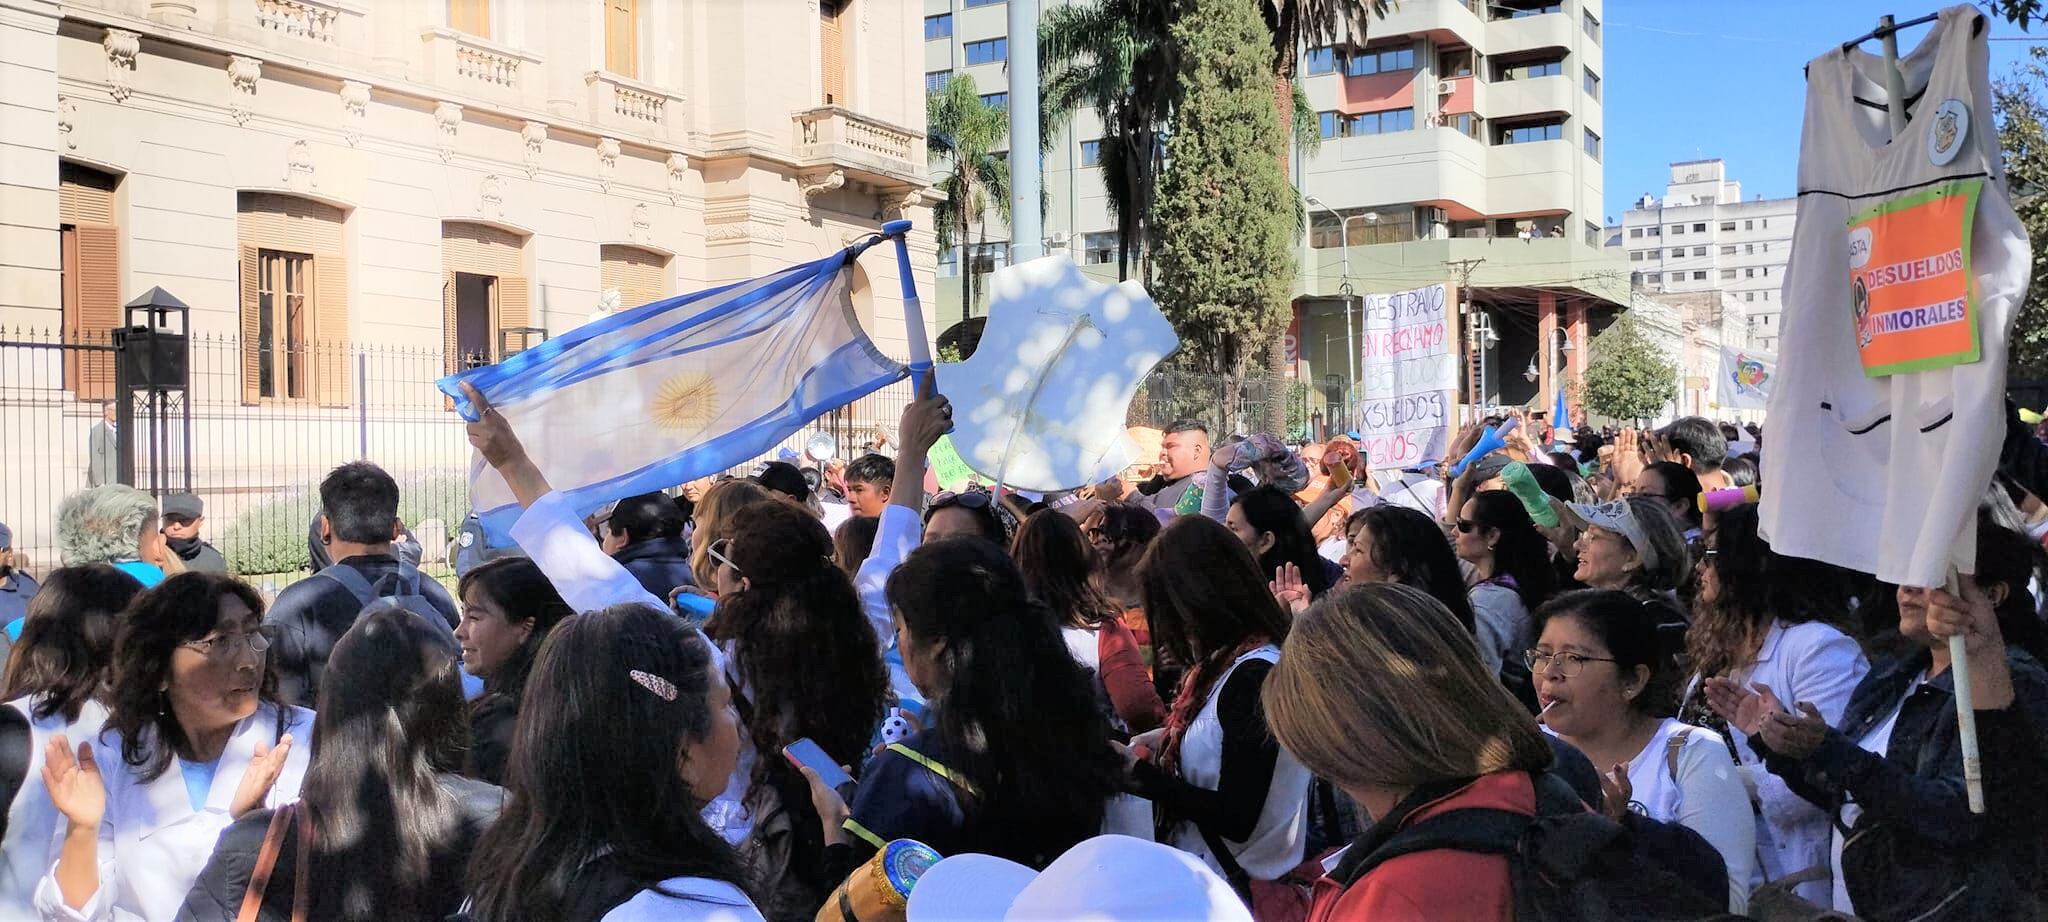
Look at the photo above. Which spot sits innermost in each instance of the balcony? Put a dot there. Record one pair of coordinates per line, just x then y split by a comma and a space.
476, 67
873, 151
328, 31
634, 107
1441, 20
1538, 96
1549, 30
1506, 262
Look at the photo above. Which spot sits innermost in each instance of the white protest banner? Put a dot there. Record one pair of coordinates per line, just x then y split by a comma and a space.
1746, 379
1408, 368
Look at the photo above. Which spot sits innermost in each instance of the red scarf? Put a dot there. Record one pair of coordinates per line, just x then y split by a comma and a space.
1194, 690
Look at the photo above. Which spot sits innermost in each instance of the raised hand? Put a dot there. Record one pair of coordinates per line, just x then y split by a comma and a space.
1289, 589
74, 783
1798, 736
924, 421
261, 775
1742, 708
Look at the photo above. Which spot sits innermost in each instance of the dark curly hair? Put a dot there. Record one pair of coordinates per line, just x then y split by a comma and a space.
177, 611
1057, 562
1755, 586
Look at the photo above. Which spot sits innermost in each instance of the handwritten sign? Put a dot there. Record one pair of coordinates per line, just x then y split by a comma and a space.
947, 466
1407, 372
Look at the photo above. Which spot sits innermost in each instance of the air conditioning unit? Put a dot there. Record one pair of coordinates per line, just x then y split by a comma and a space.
1445, 88
1058, 240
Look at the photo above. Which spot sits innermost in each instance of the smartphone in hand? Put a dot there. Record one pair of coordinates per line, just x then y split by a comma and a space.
810, 755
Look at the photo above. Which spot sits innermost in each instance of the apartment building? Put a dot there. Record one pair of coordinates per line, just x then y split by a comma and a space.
458, 177
1461, 143
1702, 236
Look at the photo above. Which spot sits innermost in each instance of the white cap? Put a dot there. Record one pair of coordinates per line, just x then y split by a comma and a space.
1105, 879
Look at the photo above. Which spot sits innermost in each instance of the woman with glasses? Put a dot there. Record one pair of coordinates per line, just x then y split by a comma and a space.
385, 825
712, 515
1058, 567
1762, 620
508, 608
1601, 671
1511, 573
57, 682
1678, 488
195, 738
804, 664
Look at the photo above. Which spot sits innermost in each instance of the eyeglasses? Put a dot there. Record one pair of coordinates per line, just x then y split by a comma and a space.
970, 499
227, 646
718, 551
1568, 664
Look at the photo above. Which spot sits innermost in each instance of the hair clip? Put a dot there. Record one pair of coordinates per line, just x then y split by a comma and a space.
655, 684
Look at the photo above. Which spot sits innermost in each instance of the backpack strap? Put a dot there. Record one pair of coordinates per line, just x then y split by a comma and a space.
266, 861
1472, 829
1672, 748
932, 764
406, 578
352, 580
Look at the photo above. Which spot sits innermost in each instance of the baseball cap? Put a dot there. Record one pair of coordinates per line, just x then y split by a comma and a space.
1617, 517
185, 505
783, 477
1105, 879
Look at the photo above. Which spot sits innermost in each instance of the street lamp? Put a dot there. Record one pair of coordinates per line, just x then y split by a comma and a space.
1344, 288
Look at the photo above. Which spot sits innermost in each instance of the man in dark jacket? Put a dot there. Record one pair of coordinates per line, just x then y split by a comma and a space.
358, 528
183, 515
645, 535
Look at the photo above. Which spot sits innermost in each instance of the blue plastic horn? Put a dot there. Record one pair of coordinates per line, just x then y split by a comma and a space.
1494, 440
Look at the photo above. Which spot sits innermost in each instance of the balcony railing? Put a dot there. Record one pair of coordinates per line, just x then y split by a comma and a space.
475, 66
312, 20
634, 107
836, 136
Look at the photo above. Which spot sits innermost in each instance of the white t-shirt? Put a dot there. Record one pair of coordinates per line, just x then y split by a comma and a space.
1877, 740
1706, 797
1907, 455
694, 899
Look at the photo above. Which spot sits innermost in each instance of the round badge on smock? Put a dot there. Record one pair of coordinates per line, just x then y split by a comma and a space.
1951, 127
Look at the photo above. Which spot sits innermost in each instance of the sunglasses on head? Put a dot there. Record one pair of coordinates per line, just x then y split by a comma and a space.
970, 499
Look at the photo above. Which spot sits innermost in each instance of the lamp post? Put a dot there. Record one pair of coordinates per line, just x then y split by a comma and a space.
1344, 291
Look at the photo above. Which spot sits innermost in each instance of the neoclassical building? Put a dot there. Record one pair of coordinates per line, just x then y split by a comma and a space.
320, 177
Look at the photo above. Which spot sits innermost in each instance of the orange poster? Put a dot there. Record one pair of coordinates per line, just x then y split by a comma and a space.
1909, 281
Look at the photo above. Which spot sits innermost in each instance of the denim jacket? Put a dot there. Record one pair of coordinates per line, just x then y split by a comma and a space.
1913, 796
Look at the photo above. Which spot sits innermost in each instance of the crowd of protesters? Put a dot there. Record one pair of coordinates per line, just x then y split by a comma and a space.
1250, 681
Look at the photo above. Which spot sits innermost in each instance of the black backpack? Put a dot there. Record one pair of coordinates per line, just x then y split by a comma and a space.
1565, 863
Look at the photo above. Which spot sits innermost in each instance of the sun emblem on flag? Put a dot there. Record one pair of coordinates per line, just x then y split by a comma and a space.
687, 402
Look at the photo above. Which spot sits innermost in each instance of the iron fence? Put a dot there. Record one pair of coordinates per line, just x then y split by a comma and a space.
256, 454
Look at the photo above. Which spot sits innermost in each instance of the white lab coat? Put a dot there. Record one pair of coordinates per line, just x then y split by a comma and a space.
1811, 662
152, 843
29, 850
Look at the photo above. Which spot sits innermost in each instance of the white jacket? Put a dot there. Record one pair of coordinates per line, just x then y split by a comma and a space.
1810, 662
152, 843
29, 850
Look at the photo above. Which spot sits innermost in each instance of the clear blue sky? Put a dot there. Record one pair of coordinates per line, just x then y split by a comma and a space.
1683, 84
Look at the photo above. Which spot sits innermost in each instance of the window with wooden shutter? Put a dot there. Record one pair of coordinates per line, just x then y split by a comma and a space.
90, 246
294, 300
640, 276
451, 352
622, 37
515, 316
471, 16
832, 50
485, 291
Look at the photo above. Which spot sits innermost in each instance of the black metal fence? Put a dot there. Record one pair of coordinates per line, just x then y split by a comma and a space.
257, 456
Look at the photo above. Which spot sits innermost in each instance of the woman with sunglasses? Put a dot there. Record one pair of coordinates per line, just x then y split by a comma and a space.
1762, 620
1511, 573
1602, 675
195, 738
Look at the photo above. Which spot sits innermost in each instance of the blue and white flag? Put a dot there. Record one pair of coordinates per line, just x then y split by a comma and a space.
678, 389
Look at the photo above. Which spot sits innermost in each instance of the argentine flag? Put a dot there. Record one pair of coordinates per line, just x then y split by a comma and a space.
678, 389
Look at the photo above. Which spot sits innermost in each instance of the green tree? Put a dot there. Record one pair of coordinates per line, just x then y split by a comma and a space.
1113, 56
1627, 376
964, 132
1224, 218
1290, 26
2022, 115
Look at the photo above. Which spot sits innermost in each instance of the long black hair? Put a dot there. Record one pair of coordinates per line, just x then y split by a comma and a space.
597, 773
67, 641
175, 612
802, 649
1271, 510
1753, 587
1412, 549
1521, 553
1205, 594
1056, 563
1017, 717
517, 588
1631, 630
387, 837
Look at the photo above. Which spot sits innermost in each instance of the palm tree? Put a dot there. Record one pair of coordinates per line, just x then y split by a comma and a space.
964, 131
1293, 24
1113, 55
